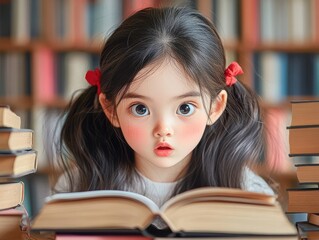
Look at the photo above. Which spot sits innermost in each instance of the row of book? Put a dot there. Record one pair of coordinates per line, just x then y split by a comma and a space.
278, 75
61, 74
51, 76
303, 141
17, 159
67, 20
286, 21
58, 75
17, 84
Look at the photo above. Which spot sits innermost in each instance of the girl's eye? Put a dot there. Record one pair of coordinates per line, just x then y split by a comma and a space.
186, 109
140, 110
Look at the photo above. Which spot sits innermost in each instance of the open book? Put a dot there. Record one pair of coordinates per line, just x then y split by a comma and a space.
203, 210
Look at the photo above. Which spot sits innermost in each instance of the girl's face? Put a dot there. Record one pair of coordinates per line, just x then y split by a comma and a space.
163, 117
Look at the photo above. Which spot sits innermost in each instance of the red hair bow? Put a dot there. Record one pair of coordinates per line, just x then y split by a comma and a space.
93, 77
231, 72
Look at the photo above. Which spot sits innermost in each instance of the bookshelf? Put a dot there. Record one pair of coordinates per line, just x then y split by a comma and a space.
60, 37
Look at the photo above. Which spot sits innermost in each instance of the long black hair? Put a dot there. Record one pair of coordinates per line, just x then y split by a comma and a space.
98, 151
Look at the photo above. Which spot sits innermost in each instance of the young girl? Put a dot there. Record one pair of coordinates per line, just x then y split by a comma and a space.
163, 114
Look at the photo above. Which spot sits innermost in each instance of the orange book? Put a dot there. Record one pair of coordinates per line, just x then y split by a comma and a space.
307, 173
304, 113
313, 218
303, 200
304, 140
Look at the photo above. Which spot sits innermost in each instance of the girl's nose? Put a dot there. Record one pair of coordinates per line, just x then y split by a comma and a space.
163, 130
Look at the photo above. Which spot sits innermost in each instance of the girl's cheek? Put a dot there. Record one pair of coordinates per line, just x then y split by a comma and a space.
193, 130
134, 134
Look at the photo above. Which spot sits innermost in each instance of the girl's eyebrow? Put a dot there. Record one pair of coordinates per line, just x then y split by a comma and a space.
189, 94
185, 95
135, 95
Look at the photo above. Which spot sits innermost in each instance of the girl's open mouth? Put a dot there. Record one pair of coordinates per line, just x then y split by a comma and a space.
163, 150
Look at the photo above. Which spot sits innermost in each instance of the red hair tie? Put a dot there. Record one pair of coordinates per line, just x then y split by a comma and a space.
93, 77
231, 72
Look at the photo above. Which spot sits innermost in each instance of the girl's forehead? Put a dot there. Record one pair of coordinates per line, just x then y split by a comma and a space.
161, 76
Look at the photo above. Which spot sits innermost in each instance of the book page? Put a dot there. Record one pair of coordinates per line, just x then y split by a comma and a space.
220, 194
104, 193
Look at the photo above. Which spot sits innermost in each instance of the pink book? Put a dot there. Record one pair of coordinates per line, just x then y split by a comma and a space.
91, 237
44, 75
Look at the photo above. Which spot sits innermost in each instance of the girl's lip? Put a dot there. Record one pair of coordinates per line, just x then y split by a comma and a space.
163, 150
164, 145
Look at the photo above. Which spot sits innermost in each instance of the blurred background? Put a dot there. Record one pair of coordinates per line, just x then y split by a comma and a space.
46, 47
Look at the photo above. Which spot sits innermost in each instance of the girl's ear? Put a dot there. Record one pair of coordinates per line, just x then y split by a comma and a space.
217, 107
109, 110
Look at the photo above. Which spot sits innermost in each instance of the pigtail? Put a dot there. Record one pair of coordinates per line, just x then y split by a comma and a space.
90, 146
240, 135
234, 142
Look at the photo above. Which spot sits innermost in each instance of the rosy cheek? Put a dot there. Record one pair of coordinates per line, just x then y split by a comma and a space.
134, 135
194, 132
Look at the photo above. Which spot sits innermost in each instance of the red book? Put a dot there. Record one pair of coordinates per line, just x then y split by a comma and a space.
132, 6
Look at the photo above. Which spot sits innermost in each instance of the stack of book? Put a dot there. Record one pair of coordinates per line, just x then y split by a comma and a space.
304, 142
17, 158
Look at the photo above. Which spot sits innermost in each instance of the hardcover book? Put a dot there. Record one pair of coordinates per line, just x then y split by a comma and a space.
303, 200
10, 224
307, 231
11, 194
9, 118
307, 173
13, 139
304, 140
313, 218
17, 164
304, 113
